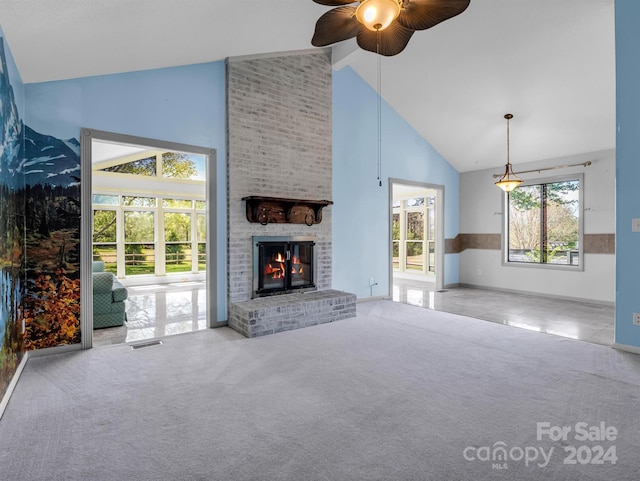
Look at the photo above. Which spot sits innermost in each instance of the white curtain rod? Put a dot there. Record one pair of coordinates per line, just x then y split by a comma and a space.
584, 164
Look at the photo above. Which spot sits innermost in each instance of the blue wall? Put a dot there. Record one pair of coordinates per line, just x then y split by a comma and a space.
180, 104
361, 206
627, 170
187, 105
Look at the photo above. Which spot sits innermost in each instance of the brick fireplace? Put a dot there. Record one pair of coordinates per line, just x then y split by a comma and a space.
279, 145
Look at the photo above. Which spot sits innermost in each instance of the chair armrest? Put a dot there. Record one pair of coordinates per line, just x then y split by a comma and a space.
120, 292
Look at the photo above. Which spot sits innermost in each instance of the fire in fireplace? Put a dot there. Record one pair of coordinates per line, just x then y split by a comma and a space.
283, 264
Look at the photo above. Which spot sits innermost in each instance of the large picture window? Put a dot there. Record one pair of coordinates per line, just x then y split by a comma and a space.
136, 235
543, 223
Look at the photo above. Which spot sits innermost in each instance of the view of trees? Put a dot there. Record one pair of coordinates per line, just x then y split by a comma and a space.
544, 222
139, 226
174, 165
416, 238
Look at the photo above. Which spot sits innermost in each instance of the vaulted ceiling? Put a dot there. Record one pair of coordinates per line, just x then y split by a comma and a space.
548, 62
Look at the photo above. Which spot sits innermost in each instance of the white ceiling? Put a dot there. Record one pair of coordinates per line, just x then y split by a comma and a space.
548, 62
102, 152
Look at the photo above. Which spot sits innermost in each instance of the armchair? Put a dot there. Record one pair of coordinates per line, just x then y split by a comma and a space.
108, 298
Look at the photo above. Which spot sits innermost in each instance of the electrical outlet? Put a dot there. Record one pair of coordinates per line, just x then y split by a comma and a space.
636, 318
372, 281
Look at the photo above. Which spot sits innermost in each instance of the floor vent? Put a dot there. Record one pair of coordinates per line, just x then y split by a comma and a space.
155, 342
443, 290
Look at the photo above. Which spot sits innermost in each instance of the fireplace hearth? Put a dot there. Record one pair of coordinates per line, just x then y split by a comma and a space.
283, 264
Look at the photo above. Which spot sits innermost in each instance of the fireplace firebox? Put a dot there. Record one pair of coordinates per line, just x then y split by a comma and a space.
283, 264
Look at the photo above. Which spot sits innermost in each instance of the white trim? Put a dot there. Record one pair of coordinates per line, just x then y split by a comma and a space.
86, 241
374, 298
626, 348
14, 382
49, 351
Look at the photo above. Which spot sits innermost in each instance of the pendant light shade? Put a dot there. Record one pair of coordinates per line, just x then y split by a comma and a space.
509, 180
377, 14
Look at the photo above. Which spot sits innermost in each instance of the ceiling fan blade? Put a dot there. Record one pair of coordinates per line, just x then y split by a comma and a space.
393, 39
336, 25
335, 3
423, 14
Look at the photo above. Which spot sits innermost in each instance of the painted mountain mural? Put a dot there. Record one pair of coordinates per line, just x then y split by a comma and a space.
50, 161
12, 226
11, 133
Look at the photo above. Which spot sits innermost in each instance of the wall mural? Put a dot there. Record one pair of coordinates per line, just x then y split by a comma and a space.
51, 305
39, 237
12, 226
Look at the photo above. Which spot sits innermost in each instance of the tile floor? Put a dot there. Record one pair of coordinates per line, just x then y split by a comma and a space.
572, 319
158, 311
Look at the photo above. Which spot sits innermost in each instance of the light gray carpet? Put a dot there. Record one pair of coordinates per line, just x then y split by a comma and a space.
396, 393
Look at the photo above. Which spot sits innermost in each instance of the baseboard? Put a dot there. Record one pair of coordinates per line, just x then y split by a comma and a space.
12, 384
49, 351
626, 348
374, 298
540, 294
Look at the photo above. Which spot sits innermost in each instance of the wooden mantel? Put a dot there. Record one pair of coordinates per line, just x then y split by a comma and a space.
268, 210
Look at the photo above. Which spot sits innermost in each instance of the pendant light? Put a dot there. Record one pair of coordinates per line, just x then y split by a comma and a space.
509, 180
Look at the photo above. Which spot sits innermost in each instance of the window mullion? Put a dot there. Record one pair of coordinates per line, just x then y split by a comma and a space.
543, 226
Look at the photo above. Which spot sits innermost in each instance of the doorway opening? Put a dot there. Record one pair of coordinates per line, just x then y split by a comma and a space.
417, 238
148, 234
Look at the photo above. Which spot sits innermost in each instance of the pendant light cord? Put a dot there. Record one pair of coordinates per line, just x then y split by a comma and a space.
508, 160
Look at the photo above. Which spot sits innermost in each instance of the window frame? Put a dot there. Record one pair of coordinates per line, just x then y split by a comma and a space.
581, 210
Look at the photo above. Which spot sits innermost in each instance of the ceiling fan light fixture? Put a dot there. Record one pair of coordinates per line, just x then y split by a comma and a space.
377, 15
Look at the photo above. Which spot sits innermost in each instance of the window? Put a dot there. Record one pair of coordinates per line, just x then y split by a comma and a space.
138, 235
177, 231
543, 223
172, 165
145, 166
202, 240
104, 237
139, 247
413, 235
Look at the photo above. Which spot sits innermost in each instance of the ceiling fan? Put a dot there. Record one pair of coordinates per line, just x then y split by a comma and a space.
381, 26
